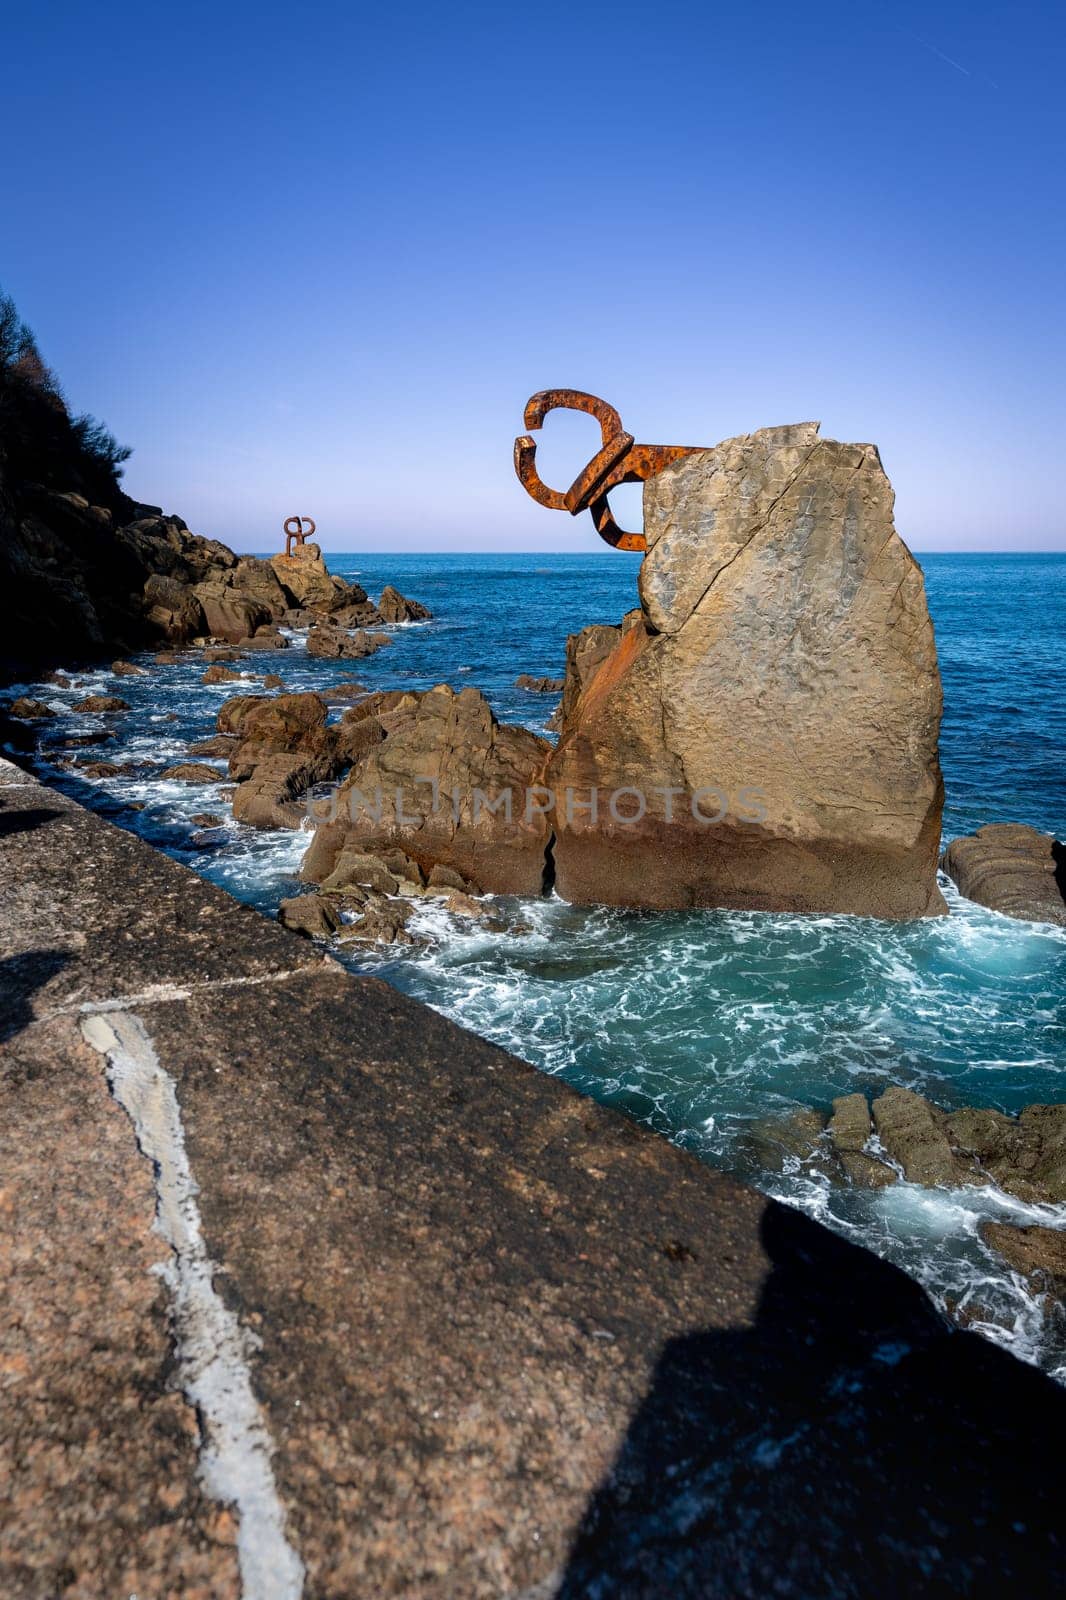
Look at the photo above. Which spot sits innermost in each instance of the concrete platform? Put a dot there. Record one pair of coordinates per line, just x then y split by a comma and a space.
308, 1291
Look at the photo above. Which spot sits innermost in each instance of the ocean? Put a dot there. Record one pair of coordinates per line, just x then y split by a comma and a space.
702, 1023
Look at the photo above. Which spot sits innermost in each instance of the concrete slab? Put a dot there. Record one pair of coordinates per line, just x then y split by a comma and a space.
498, 1340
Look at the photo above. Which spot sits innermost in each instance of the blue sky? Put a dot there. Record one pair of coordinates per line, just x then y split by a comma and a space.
315, 258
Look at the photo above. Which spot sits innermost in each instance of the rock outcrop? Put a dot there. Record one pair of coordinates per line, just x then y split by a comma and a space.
308, 584
1012, 869
773, 709
339, 645
907, 1135
442, 780
395, 607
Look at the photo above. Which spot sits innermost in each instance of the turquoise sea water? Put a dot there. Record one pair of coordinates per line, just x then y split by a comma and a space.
700, 1023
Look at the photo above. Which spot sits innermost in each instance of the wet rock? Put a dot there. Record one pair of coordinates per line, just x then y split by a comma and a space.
1024, 1155
220, 674
448, 785
310, 915
915, 1133
95, 703
60, 679
192, 772
98, 769
1039, 1254
222, 744
30, 710
126, 669
383, 922
796, 1136
336, 644
1011, 869
166, 658
215, 653
364, 614
539, 685
850, 1127
273, 681
338, 693
207, 819
394, 607
464, 905
783, 674
265, 639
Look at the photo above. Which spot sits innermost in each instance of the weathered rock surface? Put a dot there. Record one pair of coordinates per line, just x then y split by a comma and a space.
441, 763
283, 748
309, 914
536, 1349
850, 1129
1024, 1155
783, 671
95, 703
337, 643
1039, 1254
31, 710
1012, 869
395, 607
308, 584
192, 772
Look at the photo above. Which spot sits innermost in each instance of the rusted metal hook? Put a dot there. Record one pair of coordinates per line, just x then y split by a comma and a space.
619, 460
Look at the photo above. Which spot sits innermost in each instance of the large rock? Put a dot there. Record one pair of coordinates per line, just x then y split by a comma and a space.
229, 612
915, 1133
307, 583
395, 607
1012, 869
439, 785
781, 681
172, 609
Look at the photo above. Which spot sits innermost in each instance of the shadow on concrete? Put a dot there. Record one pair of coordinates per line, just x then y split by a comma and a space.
20, 977
25, 820
848, 1444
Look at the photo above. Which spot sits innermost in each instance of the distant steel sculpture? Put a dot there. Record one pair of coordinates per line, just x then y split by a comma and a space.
294, 529
619, 460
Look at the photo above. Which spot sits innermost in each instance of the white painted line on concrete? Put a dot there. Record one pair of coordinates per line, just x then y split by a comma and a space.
213, 1349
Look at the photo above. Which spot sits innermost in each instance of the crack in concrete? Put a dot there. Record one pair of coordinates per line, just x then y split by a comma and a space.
167, 993
211, 1347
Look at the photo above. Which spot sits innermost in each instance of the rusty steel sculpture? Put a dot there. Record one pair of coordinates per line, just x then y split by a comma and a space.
294, 529
619, 460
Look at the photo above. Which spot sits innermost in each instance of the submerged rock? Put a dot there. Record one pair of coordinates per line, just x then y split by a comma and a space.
774, 708
1011, 869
